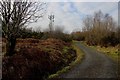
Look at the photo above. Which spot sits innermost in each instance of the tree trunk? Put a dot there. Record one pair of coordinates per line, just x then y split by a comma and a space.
10, 46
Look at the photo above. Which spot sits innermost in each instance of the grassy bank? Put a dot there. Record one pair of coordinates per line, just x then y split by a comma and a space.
78, 59
112, 52
37, 59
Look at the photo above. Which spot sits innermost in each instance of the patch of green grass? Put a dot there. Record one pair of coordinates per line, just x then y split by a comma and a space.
80, 54
59, 72
111, 52
65, 49
79, 58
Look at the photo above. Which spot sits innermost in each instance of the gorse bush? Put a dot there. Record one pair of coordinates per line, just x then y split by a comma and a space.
29, 33
64, 37
109, 40
79, 36
57, 34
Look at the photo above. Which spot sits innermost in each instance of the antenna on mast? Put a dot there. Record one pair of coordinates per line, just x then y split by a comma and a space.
51, 18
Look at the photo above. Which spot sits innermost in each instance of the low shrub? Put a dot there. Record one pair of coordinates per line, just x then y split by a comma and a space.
29, 63
35, 61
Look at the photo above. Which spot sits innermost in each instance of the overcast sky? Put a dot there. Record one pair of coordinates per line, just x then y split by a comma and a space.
70, 14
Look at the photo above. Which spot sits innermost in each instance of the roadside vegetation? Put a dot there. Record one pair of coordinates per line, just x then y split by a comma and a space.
36, 59
112, 52
78, 60
99, 29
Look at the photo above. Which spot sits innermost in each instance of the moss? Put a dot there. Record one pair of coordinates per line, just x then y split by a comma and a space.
59, 72
53, 76
65, 49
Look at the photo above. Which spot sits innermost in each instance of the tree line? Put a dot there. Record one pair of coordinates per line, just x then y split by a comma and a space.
99, 29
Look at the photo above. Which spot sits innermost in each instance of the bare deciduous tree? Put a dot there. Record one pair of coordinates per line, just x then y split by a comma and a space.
98, 27
14, 16
88, 23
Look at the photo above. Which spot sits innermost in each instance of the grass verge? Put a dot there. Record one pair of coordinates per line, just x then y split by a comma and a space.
111, 52
80, 56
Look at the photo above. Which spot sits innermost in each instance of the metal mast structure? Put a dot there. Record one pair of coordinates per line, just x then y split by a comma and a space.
51, 18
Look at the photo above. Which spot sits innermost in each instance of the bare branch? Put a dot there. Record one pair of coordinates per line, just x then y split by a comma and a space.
16, 14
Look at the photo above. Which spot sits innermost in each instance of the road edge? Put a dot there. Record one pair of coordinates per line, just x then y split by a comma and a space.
78, 60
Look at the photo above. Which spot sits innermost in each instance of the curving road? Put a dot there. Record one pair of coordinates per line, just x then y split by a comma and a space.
94, 65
